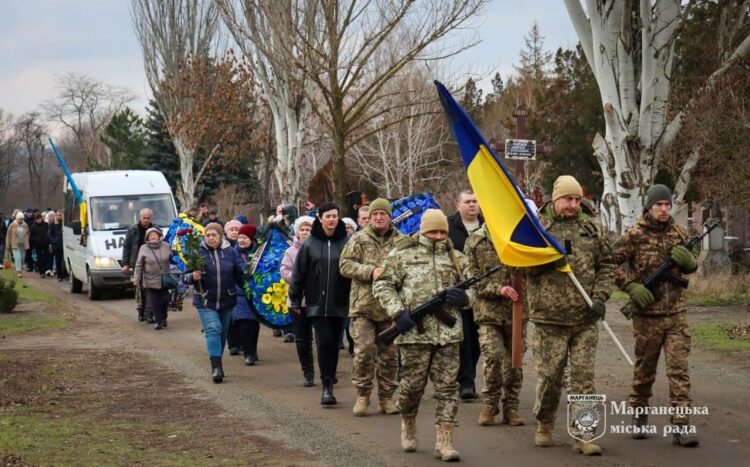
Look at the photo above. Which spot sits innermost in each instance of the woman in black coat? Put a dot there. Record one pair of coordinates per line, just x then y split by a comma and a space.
316, 277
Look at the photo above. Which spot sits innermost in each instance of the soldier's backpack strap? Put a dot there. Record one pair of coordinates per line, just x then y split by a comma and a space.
455, 264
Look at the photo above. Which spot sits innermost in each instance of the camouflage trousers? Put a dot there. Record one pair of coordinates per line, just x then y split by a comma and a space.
372, 358
652, 333
553, 348
440, 364
501, 380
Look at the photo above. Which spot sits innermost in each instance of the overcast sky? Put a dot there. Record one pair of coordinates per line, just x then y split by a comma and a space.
41, 39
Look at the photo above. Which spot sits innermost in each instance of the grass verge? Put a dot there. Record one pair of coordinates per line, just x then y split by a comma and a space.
26, 292
717, 337
35, 310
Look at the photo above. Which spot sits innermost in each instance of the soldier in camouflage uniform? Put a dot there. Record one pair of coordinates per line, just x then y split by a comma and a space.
417, 269
361, 261
565, 327
493, 314
658, 323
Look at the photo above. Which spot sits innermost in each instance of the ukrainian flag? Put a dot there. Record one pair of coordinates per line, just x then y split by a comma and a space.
519, 239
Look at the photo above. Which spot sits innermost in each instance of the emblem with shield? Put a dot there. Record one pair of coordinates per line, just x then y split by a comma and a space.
587, 416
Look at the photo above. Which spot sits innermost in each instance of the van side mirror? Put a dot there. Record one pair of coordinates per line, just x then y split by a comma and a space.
76, 225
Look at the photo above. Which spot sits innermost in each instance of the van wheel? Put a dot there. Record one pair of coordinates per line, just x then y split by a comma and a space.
91, 291
75, 285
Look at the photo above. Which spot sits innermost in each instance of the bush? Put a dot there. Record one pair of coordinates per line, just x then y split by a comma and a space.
8, 296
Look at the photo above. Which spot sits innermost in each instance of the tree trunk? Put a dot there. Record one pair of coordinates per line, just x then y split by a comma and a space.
186, 191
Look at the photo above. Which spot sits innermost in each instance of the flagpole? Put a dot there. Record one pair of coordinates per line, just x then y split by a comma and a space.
586, 297
517, 323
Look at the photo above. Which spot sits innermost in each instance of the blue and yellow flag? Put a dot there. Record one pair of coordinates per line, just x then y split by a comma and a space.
519, 239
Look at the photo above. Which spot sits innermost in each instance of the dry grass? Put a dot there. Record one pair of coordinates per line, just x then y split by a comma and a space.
719, 289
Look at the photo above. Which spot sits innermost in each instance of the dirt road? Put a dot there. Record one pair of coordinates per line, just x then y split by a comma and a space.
271, 397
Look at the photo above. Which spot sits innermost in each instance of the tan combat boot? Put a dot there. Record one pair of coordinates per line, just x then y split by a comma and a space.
444, 443
409, 433
487, 415
511, 417
543, 435
387, 407
360, 407
587, 448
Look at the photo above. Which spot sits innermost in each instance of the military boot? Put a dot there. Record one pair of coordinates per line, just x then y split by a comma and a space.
487, 415
387, 406
685, 439
360, 406
587, 448
511, 417
444, 443
409, 433
639, 425
543, 435
327, 398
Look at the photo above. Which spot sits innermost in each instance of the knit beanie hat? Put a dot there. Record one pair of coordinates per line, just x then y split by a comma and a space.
566, 185
214, 226
655, 194
249, 230
302, 220
231, 224
153, 229
243, 219
433, 219
381, 203
350, 222
327, 206
19, 215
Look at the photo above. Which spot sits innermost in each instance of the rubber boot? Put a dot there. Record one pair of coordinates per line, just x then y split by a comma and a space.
511, 417
387, 406
360, 406
487, 415
327, 398
543, 435
217, 372
409, 433
638, 427
444, 443
587, 448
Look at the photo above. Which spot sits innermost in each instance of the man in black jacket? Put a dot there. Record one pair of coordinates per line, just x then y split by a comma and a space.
54, 234
461, 224
136, 237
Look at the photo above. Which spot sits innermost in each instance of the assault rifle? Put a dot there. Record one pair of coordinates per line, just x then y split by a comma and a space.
662, 274
433, 306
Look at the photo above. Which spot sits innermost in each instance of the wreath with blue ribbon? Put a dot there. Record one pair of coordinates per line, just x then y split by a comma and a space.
417, 205
265, 289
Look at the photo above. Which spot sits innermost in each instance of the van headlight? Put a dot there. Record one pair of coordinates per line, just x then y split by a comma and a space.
105, 262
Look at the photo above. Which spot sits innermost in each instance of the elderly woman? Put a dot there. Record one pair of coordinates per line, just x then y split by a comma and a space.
215, 292
316, 277
17, 242
300, 323
153, 261
244, 329
232, 231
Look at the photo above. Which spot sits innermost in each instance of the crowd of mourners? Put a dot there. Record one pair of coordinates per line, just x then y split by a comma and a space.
32, 239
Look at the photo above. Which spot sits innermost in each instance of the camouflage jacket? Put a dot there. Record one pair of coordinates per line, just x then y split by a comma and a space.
364, 252
641, 250
552, 297
490, 307
415, 271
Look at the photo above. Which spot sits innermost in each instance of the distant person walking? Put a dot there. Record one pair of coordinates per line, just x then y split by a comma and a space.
17, 242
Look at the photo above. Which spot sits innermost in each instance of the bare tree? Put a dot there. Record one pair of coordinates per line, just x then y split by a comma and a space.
352, 58
8, 152
31, 134
269, 33
171, 33
85, 106
630, 49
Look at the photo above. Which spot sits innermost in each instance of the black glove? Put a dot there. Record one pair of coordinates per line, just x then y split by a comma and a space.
404, 322
598, 308
457, 296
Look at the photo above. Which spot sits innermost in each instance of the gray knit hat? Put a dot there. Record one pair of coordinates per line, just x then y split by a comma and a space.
655, 194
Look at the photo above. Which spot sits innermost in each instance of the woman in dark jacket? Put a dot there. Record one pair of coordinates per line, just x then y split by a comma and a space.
215, 292
244, 329
316, 277
39, 243
54, 234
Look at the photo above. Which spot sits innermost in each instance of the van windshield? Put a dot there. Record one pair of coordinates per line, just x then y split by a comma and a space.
119, 212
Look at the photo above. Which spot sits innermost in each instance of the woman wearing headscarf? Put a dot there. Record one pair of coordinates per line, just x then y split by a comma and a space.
301, 324
153, 261
215, 292
316, 277
244, 329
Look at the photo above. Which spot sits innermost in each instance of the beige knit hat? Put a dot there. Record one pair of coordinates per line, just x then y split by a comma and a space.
215, 226
566, 185
433, 219
383, 204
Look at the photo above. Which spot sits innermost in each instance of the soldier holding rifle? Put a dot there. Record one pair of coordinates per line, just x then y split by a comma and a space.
419, 268
659, 317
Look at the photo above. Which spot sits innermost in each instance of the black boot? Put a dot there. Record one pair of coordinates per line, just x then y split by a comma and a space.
306, 362
217, 372
141, 316
327, 398
250, 359
639, 427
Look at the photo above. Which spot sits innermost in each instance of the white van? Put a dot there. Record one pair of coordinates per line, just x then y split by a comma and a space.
114, 200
